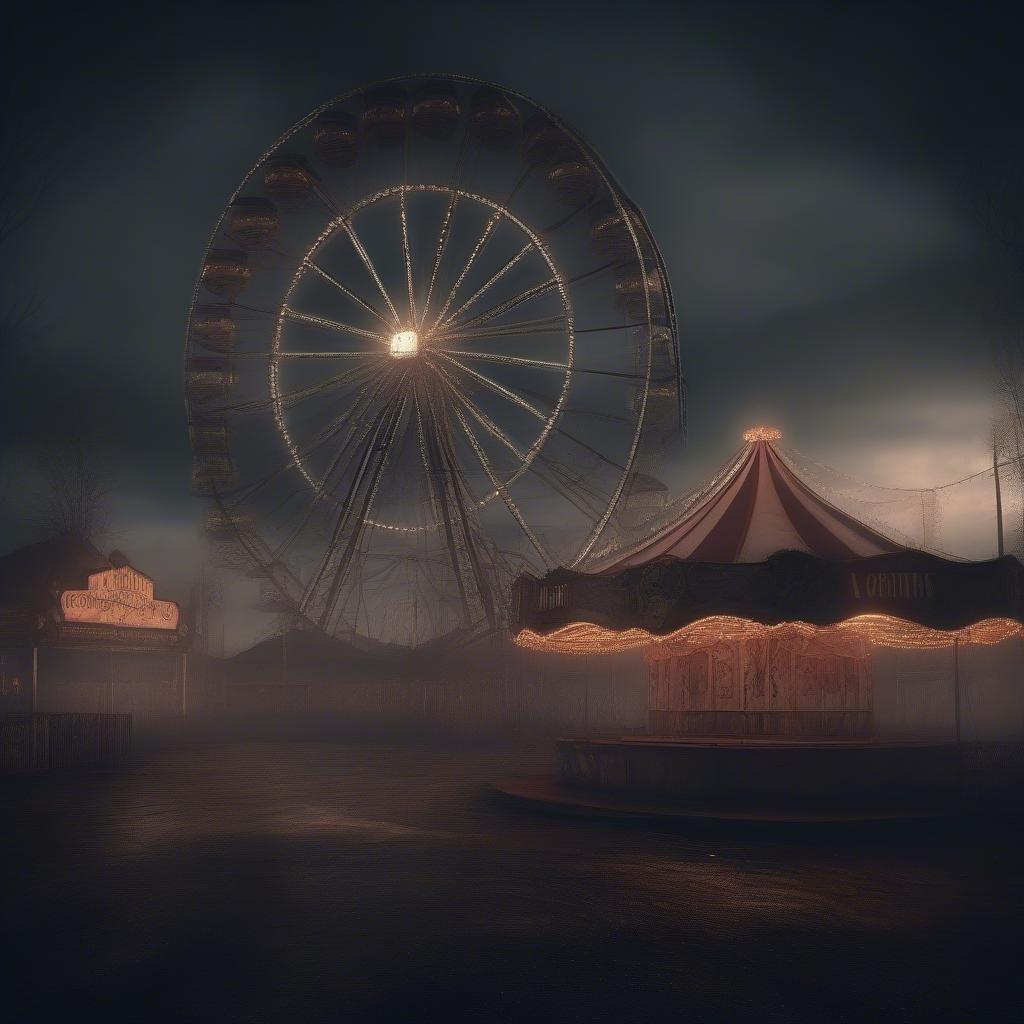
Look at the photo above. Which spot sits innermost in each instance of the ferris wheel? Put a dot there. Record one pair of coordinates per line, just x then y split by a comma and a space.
429, 329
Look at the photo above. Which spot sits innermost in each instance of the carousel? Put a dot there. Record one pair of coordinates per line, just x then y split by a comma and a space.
759, 605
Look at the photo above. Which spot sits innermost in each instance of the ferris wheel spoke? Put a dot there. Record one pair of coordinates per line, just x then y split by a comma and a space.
485, 236
610, 327
370, 493
358, 427
492, 223
589, 448
452, 466
532, 293
350, 417
517, 300
235, 305
378, 428
502, 489
599, 415
424, 456
442, 244
345, 222
578, 482
286, 500
258, 552
360, 249
481, 417
543, 325
407, 254
500, 435
318, 442
347, 292
328, 325
323, 437
495, 357
460, 490
436, 477
551, 474
493, 385
457, 513
332, 355
446, 223
358, 430
293, 398
539, 364
486, 286
516, 399
527, 459
557, 225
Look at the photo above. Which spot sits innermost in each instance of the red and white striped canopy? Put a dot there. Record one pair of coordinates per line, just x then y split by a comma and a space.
762, 508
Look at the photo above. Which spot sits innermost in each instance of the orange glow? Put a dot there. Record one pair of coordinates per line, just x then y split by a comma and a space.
119, 597
844, 637
762, 434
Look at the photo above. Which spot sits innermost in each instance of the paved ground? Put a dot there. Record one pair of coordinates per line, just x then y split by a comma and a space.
323, 881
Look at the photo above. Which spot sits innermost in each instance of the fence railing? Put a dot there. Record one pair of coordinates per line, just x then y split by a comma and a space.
41, 741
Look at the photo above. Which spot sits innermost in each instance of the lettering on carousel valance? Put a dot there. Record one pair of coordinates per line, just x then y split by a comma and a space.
790, 586
911, 586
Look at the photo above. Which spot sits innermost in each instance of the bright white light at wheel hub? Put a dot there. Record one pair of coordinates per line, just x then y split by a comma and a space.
404, 344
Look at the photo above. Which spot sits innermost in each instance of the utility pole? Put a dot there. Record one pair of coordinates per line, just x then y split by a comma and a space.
999, 500
956, 687
415, 606
184, 686
284, 655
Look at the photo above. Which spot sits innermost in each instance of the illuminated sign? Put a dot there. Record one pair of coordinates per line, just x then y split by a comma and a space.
119, 597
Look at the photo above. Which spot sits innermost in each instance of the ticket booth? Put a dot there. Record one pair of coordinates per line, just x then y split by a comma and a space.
85, 632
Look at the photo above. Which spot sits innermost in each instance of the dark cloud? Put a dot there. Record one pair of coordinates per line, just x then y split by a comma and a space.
806, 170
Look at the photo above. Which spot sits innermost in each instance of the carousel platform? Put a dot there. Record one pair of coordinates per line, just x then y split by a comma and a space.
749, 780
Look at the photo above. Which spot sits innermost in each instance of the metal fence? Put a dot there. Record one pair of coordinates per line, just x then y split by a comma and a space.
41, 741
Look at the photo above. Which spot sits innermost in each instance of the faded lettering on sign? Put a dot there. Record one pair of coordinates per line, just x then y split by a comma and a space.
119, 597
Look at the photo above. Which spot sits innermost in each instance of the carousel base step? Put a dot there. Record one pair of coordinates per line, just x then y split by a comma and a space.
552, 794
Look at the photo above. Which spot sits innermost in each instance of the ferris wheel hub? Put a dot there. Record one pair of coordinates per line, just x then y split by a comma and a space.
405, 344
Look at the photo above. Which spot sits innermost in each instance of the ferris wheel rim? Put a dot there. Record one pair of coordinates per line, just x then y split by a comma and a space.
633, 222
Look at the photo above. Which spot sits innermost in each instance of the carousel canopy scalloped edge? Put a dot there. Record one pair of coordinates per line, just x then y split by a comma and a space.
843, 637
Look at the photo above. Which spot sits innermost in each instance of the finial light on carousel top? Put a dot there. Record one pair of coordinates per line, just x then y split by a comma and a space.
755, 434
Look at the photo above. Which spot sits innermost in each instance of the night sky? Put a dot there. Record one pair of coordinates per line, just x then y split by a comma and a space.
807, 170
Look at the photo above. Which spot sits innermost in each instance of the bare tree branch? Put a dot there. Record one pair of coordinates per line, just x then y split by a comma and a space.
74, 490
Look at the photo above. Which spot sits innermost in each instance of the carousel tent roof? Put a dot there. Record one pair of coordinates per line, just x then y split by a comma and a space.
759, 508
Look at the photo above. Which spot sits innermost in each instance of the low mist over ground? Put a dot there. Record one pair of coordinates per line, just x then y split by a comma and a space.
291, 879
